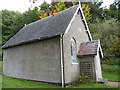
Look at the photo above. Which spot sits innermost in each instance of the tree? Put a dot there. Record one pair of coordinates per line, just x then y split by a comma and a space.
108, 33
113, 11
9, 24
115, 8
86, 11
44, 10
96, 10
60, 6
12, 22
31, 16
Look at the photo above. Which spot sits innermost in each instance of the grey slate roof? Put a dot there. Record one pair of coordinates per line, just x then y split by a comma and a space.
88, 48
44, 28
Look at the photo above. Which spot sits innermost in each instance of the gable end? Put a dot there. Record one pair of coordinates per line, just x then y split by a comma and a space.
80, 12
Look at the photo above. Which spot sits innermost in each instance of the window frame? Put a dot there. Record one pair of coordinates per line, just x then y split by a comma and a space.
73, 51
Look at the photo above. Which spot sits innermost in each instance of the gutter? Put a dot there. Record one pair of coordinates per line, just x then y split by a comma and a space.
62, 61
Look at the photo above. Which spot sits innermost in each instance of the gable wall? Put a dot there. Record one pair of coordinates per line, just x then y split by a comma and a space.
35, 61
98, 66
77, 31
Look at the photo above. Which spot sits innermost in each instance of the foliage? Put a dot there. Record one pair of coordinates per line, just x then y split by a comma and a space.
84, 79
96, 11
13, 21
44, 10
55, 7
110, 68
108, 72
30, 16
0, 67
47, 10
101, 25
60, 6
111, 76
9, 24
86, 11
112, 12
107, 32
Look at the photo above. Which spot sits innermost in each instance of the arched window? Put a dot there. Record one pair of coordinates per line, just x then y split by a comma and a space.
73, 50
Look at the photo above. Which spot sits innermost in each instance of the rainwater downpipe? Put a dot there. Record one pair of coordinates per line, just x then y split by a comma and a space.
62, 62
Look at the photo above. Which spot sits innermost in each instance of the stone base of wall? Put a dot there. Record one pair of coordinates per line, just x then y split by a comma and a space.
45, 82
55, 84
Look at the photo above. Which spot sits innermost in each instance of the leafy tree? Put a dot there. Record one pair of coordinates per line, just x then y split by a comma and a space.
12, 22
60, 6
113, 11
44, 10
96, 10
86, 11
108, 34
31, 16
55, 7
9, 24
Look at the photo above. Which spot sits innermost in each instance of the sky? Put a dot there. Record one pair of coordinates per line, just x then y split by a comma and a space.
24, 5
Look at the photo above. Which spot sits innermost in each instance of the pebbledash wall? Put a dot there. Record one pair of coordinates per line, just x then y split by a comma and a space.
34, 61
78, 32
41, 60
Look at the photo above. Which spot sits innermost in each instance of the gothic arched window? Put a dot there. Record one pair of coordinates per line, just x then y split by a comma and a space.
73, 50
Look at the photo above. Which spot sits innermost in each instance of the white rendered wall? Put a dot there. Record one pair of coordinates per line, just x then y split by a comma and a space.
98, 67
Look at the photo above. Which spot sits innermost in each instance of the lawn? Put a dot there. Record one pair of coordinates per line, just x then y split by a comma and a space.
9, 82
0, 75
95, 85
111, 72
19, 83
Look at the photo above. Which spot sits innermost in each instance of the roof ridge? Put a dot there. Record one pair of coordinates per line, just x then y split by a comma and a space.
51, 15
44, 28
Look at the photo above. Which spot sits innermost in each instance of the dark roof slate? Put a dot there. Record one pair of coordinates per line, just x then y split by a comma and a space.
88, 48
44, 28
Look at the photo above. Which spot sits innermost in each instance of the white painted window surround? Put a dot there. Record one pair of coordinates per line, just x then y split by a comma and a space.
73, 51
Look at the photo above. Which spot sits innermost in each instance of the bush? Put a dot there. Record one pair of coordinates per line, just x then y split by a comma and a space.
84, 79
108, 34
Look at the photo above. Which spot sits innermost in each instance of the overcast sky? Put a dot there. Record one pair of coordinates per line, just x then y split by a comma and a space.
23, 5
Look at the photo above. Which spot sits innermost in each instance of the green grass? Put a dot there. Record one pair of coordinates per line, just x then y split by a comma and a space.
110, 72
95, 85
0, 75
9, 82
0, 67
111, 76
110, 68
0, 82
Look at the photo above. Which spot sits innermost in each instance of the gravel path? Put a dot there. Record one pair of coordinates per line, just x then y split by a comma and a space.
113, 83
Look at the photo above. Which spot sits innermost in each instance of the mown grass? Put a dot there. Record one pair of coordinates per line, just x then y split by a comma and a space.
0, 82
111, 72
0, 75
92, 85
8, 82
0, 67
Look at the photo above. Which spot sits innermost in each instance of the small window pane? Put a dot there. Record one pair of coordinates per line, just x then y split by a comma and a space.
73, 51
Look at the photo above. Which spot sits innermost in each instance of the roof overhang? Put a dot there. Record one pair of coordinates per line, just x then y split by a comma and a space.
90, 48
